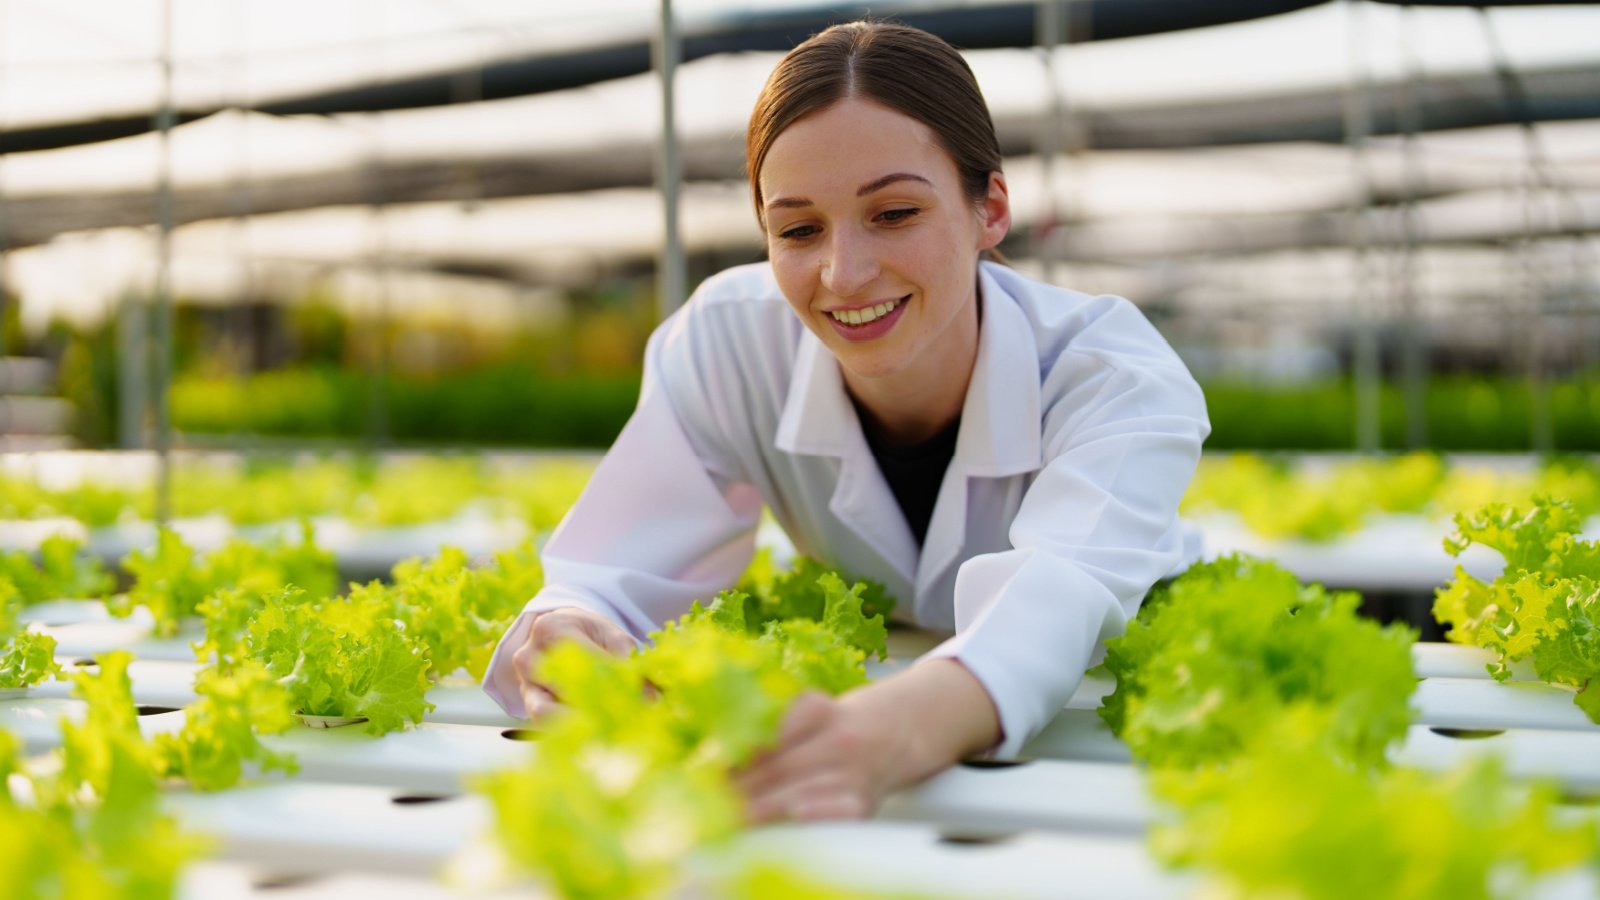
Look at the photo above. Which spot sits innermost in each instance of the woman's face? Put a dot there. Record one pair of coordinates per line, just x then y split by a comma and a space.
873, 241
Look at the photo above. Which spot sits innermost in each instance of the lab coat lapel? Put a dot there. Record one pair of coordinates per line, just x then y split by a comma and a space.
1000, 426
819, 420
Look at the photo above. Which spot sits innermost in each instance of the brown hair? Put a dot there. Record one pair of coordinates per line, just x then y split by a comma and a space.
905, 69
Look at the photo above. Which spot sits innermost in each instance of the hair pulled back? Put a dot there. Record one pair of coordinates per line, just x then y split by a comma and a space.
905, 69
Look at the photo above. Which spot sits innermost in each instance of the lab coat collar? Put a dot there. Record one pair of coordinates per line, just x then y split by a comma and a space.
999, 436
1000, 431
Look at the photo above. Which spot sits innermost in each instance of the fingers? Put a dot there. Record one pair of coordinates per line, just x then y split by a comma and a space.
811, 739
809, 712
539, 702
556, 625
823, 796
585, 627
613, 639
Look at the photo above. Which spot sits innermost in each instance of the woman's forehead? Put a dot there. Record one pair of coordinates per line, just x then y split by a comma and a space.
851, 144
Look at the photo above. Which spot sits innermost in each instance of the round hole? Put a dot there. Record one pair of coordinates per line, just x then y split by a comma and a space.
279, 882
520, 734
994, 763
1467, 734
154, 710
975, 838
417, 799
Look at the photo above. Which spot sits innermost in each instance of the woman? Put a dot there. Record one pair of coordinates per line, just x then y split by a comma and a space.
1005, 456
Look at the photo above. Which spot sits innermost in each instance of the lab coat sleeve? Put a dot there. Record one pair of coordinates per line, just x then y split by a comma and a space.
663, 521
1096, 528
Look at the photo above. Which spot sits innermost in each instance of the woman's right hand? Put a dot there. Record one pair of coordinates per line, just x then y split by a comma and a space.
564, 623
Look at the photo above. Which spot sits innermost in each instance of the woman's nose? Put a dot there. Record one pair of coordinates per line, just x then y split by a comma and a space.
849, 265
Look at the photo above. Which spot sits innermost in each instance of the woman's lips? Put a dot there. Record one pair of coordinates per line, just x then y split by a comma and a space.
871, 330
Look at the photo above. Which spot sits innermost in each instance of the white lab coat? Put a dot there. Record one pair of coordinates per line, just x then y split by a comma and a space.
1079, 434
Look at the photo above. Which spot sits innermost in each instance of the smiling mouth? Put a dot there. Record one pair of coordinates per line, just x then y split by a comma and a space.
870, 314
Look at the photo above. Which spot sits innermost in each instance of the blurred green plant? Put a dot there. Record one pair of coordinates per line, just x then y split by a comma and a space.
506, 404
1481, 414
1320, 503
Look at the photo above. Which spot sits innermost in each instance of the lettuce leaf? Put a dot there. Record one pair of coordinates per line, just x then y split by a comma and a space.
27, 659
635, 772
63, 570
1228, 646
219, 735
1287, 819
174, 582
1545, 605
343, 658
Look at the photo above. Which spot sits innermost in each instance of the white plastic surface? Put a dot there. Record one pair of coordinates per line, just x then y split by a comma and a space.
220, 880
1078, 734
295, 827
153, 682
1396, 552
429, 757
462, 702
1436, 659
1485, 703
371, 552
37, 721
69, 612
907, 858
1093, 797
1570, 758
91, 638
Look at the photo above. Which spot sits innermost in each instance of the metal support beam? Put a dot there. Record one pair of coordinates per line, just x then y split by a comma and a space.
1413, 339
162, 345
665, 52
1050, 25
1532, 285
1358, 125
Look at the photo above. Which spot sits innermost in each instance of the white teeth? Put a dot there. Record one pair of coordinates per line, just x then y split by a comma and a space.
863, 316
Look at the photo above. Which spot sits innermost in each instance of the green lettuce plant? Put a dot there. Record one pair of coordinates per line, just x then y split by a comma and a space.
1219, 653
635, 773
1544, 606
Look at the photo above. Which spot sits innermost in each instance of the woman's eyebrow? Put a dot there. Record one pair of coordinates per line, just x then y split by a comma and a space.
887, 180
865, 189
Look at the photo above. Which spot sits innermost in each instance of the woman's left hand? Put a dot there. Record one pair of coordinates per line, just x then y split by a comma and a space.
838, 758
831, 762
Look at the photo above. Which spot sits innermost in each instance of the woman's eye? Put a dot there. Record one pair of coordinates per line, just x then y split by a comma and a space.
799, 232
898, 215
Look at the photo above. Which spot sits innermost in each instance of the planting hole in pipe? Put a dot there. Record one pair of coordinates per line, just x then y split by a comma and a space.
994, 763
419, 799
279, 882
959, 838
1467, 734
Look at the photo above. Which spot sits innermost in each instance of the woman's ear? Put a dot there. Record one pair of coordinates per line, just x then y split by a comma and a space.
994, 213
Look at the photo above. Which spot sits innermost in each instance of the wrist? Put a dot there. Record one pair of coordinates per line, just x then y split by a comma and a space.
931, 716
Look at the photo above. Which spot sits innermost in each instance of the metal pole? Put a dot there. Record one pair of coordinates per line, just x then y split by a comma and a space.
378, 365
665, 52
1536, 177
5, 226
1357, 126
1048, 25
240, 209
1414, 363
163, 319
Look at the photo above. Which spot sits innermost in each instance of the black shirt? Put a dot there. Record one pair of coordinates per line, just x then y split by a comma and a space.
915, 473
